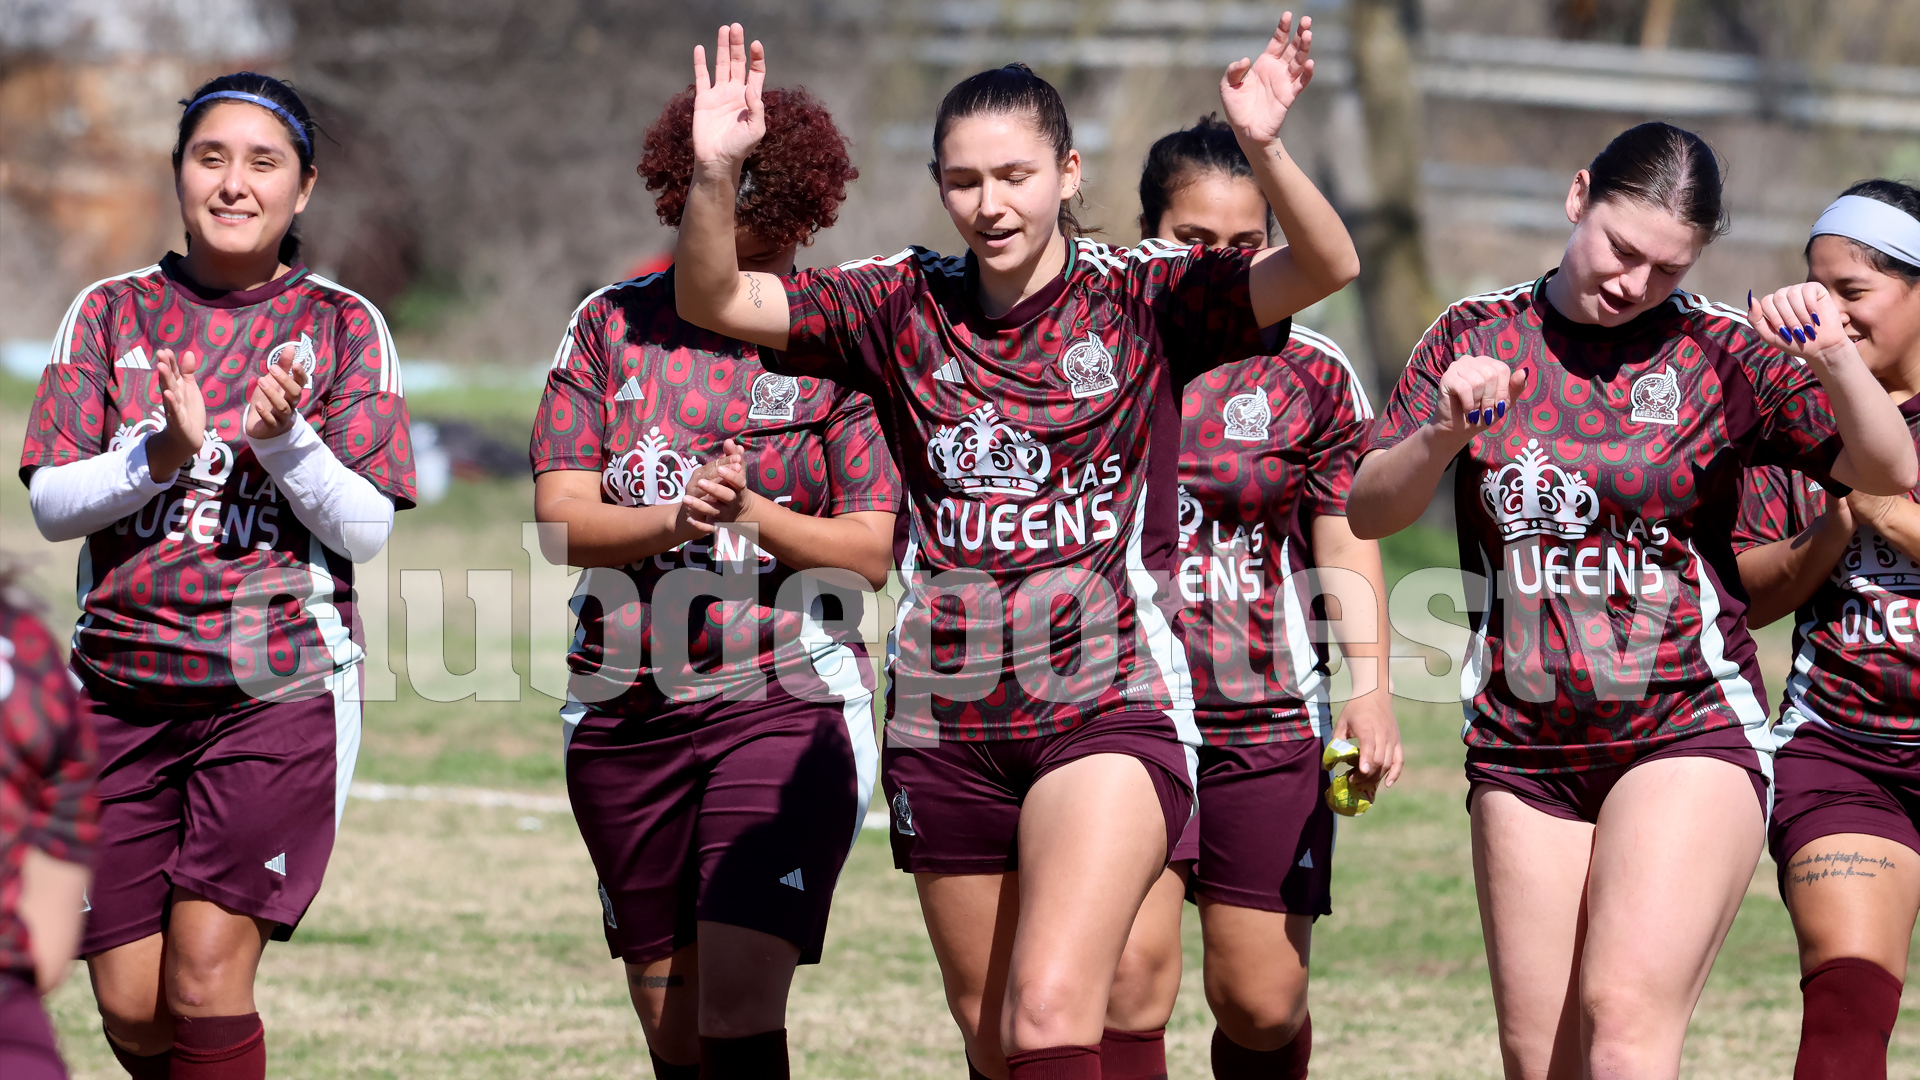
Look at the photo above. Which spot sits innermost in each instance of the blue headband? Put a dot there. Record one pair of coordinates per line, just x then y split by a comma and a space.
1881, 226
272, 106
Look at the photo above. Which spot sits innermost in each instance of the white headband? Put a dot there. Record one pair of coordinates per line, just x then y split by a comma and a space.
1880, 226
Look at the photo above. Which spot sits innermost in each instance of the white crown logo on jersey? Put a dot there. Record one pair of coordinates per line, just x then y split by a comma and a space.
648, 476
982, 453
1535, 497
1088, 367
303, 355
773, 397
1656, 398
214, 463
1247, 415
1871, 563
1191, 514
127, 435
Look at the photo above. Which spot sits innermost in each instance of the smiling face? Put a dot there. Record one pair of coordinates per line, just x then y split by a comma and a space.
1880, 312
1002, 186
1215, 209
1623, 259
240, 182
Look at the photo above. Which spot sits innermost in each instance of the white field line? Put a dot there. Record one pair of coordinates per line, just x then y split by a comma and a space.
513, 800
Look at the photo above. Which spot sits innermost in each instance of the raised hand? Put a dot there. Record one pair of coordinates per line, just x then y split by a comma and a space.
186, 413
728, 117
1801, 320
1474, 394
1257, 93
276, 396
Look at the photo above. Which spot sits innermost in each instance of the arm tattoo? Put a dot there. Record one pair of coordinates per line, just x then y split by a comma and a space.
753, 291
659, 982
1835, 865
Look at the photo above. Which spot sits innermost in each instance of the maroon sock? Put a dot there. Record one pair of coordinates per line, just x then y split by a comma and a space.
1056, 1063
664, 1071
750, 1057
1848, 1009
151, 1067
219, 1048
1231, 1061
1133, 1055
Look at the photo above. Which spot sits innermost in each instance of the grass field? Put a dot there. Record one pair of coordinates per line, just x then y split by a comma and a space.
461, 941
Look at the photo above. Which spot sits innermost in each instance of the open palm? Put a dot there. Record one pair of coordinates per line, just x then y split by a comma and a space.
728, 117
1257, 93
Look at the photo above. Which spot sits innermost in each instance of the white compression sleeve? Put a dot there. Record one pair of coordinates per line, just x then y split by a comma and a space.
336, 504
82, 497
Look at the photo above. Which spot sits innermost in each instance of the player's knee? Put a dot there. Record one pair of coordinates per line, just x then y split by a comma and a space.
1261, 1021
1623, 1019
1144, 988
1054, 1009
199, 981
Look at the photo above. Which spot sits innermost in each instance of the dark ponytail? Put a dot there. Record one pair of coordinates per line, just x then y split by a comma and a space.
1902, 197
1663, 166
1173, 161
1012, 89
300, 131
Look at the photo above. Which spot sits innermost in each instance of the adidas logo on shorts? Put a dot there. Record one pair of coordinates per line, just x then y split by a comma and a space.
606, 904
277, 864
794, 880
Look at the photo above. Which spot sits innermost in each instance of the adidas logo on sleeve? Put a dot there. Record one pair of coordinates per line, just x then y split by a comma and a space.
794, 880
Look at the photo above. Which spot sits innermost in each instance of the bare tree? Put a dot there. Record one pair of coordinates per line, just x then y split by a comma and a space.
1395, 290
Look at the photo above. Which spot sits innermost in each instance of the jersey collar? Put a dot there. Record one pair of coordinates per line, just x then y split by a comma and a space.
1021, 313
1552, 320
240, 298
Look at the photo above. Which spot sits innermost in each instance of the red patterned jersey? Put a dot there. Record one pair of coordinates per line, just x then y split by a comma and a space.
642, 398
46, 769
1267, 444
214, 590
1596, 521
1041, 457
1856, 665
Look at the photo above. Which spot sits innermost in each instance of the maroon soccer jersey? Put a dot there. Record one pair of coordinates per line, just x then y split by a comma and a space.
1041, 455
46, 769
642, 398
1267, 444
1596, 520
1856, 666
214, 590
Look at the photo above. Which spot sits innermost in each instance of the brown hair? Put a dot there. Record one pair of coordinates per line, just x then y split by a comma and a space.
791, 186
1659, 165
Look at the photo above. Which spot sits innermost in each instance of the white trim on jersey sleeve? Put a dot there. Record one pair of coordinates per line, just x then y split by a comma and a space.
389, 359
565, 352
63, 337
1507, 293
1325, 344
894, 259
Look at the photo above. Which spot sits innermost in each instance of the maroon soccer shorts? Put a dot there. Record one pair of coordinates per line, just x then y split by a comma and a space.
731, 812
239, 805
1827, 783
1262, 836
1577, 796
27, 1050
955, 806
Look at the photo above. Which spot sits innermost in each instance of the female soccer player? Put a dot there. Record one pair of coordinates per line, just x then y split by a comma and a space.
1616, 743
226, 430
1266, 456
1041, 697
47, 831
719, 793
1847, 771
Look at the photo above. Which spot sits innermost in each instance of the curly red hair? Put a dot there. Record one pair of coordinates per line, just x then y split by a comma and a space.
792, 184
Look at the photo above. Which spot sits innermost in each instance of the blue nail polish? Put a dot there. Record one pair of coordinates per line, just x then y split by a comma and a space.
1749, 297
1799, 337
1500, 411
1473, 416
1812, 333
1815, 316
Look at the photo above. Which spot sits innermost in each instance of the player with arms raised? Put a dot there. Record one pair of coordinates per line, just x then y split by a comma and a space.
718, 788
1600, 418
1267, 450
1847, 567
226, 430
1035, 763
